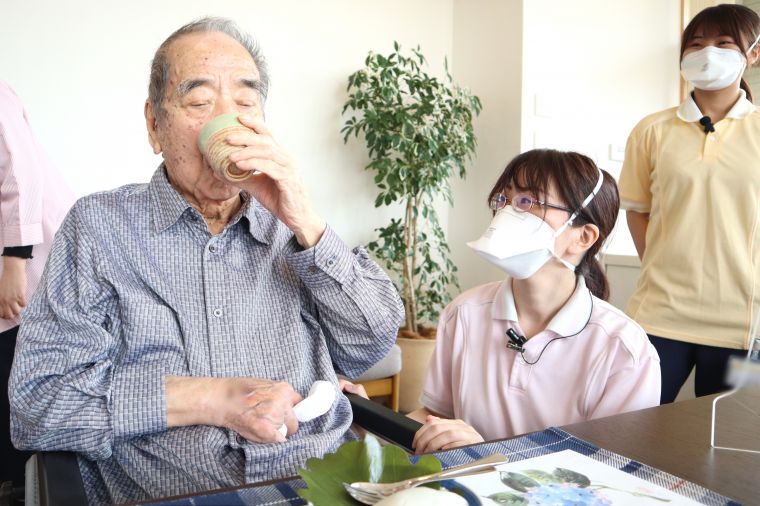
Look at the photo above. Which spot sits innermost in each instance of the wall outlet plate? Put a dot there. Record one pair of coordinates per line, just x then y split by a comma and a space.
617, 152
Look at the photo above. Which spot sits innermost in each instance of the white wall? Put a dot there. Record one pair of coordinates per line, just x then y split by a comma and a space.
488, 59
81, 68
592, 69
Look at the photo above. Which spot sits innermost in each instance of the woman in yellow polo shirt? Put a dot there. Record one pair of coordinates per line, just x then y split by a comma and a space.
691, 184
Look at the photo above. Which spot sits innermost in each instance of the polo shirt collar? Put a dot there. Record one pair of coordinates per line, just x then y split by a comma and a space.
689, 111
568, 321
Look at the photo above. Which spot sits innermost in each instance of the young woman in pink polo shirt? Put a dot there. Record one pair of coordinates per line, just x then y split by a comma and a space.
540, 348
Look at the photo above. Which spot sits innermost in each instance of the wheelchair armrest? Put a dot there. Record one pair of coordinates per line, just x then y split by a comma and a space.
386, 423
59, 481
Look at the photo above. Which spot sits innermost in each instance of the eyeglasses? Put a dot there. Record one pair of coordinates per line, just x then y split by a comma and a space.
521, 203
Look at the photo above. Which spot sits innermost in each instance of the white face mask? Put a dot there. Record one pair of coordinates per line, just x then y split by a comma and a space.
714, 68
521, 243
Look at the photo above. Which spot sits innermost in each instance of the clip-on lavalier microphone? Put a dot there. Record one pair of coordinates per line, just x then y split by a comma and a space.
707, 124
516, 341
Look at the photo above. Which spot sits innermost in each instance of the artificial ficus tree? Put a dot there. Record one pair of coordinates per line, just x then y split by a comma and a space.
418, 130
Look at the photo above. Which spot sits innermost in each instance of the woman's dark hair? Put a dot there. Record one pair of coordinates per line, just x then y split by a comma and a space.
574, 176
737, 21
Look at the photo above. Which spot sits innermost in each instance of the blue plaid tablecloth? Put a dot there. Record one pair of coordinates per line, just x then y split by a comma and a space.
531, 445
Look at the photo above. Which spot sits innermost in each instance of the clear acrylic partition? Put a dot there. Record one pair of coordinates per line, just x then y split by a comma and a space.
736, 414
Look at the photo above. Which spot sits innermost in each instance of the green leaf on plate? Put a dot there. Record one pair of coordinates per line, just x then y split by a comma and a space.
568, 476
518, 481
358, 461
508, 499
540, 476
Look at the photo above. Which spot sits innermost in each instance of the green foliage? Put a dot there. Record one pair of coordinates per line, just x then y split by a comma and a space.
569, 476
508, 499
517, 481
418, 130
542, 476
359, 461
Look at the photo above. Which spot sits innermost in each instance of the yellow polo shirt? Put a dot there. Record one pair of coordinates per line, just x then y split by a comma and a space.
699, 275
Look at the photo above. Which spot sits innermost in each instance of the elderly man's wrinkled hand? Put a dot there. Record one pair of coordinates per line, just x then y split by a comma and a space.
256, 409
278, 185
12, 287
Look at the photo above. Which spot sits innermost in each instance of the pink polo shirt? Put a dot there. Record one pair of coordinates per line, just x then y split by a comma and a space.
609, 367
33, 196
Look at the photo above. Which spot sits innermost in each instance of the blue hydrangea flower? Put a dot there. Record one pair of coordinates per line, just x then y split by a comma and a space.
565, 494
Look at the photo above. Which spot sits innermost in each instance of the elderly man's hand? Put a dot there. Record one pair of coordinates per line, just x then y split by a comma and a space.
254, 408
279, 186
12, 287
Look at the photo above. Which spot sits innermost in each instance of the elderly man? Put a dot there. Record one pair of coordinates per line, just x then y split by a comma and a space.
179, 321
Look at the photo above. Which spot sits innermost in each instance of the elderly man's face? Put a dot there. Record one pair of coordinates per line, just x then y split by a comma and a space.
209, 74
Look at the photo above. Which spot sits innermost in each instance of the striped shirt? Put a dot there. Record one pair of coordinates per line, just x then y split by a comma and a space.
33, 196
136, 289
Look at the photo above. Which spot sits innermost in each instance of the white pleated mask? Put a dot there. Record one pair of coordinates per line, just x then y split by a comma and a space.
714, 68
520, 243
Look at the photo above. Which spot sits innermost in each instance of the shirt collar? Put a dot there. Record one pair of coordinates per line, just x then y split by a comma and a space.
568, 321
689, 110
169, 206
261, 223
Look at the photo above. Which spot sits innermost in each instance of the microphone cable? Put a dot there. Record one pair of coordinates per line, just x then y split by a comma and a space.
521, 350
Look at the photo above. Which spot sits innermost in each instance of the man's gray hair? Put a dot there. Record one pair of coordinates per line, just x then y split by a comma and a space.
159, 68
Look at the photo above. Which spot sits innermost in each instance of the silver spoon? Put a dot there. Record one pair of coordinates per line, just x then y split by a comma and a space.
371, 493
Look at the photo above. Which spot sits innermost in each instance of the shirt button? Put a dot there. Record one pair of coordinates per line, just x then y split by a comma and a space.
712, 138
218, 313
313, 269
240, 439
331, 262
212, 248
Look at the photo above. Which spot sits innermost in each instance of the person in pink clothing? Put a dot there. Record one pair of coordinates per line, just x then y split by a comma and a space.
542, 347
33, 201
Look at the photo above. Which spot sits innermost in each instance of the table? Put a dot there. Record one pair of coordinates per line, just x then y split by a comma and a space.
675, 438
